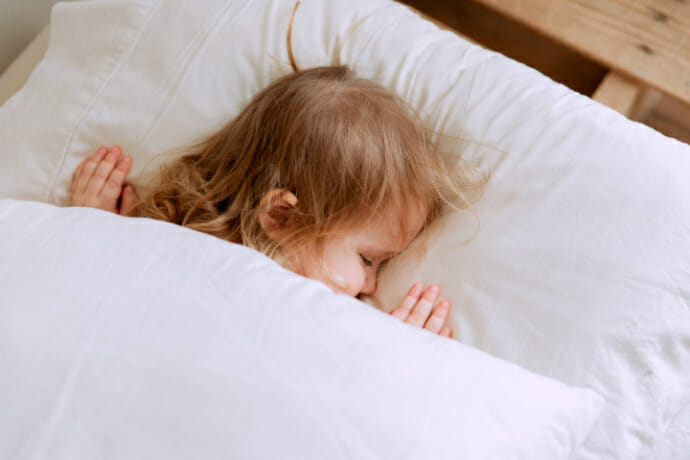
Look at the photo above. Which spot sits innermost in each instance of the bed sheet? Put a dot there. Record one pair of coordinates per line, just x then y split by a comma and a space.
675, 443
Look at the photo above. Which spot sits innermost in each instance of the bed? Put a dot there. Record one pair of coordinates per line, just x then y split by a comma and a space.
572, 312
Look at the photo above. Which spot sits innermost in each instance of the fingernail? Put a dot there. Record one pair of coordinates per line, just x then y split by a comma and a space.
431, 294
433, 289
416, 290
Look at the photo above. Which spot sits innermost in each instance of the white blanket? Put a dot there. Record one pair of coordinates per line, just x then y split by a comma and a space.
137, 339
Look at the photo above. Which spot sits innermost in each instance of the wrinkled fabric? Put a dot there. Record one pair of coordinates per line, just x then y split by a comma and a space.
579, 270
133, 338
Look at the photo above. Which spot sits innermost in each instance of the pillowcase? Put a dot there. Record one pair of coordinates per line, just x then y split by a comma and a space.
579, 271
136, 338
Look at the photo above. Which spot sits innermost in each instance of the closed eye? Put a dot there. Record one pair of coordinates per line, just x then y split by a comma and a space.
384, 263
368, 262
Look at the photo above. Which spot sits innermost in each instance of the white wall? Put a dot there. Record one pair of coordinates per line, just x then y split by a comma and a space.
20, 21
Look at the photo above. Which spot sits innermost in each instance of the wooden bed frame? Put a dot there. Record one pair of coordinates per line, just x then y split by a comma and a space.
641, 46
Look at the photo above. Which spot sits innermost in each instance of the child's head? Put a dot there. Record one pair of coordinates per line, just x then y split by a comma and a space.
327, 173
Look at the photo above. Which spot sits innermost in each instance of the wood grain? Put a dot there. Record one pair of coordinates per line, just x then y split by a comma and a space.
618, 92
515, 40
670, 117
648, 40
442, 25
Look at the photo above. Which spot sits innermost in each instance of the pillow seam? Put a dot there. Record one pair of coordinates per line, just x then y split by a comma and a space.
50, 191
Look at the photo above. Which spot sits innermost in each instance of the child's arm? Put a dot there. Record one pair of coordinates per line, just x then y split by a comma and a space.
99, 182
417, 309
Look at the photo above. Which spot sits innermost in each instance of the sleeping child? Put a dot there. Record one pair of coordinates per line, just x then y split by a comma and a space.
328, 174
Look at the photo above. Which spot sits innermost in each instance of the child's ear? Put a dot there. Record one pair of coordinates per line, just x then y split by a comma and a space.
275, 210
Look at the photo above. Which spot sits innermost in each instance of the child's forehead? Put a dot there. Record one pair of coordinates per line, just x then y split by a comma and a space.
405, 217
394, 229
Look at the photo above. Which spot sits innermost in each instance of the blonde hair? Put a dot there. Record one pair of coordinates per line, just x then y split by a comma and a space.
346, 147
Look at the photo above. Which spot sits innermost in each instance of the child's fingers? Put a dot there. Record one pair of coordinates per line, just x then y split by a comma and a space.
99, 154
129, 200
403, 310
76, 175
446, 332
88, 166
102, 172
78, 169
422, 309
438, 317
113, 185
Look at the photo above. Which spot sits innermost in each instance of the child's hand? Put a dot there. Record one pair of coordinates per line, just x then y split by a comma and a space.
418, 309
99, 182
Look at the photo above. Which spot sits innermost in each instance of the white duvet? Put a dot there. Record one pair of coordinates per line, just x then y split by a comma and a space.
580, 271
135, 339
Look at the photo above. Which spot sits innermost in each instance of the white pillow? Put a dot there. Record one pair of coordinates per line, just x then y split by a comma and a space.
580, 269
135, 338
581, 266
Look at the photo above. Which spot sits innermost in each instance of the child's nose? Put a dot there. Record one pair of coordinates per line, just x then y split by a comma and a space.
369, 285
